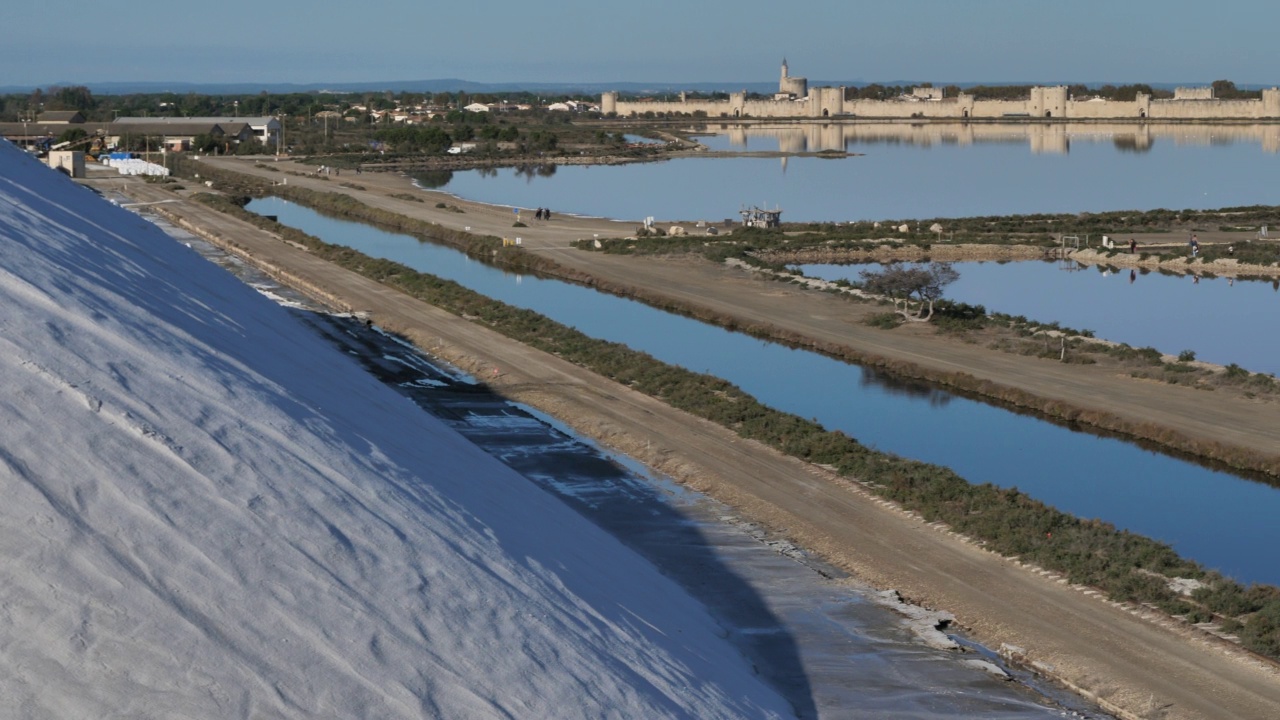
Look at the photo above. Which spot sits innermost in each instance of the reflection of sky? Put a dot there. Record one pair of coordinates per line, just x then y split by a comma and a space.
900, 181
1215, 518
1217, 318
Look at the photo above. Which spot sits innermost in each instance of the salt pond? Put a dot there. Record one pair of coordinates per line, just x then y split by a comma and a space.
1217, 318
911, 171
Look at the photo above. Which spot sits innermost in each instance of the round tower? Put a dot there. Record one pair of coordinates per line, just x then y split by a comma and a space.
794, 86
609, 103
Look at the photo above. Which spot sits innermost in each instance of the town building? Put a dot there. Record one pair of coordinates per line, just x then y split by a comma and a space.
795, 99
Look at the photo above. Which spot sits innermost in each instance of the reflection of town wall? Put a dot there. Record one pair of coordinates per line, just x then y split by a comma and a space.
1040, 138
1043, 103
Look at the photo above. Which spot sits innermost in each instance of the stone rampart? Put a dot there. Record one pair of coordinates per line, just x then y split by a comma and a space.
1051, 103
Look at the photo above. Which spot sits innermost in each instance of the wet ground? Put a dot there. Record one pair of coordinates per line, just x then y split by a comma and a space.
823, 640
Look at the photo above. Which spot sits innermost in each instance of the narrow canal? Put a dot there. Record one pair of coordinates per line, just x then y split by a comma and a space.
822, 639
1216, 518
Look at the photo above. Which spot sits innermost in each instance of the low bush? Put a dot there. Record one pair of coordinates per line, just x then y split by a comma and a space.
886, 321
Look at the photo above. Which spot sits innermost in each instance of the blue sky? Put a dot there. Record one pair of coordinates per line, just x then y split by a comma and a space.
79, 41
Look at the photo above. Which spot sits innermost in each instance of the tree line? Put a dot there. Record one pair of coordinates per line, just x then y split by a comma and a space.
103, 108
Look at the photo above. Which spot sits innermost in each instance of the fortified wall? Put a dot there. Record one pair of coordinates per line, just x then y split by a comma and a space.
796, 100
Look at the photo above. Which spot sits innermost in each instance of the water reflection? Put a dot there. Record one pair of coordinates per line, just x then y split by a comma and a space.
537, 170
904, 171
897, 385
433, 179
1056, 138
1169, 312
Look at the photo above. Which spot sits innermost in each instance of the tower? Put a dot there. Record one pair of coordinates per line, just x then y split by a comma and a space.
795, 87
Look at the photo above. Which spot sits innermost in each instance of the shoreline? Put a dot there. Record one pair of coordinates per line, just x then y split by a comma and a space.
979, 252
990, 625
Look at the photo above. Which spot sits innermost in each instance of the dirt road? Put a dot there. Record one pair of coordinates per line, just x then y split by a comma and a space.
1195, 413
1142, 667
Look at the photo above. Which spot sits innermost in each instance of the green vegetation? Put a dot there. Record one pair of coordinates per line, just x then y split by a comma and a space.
902, 283
344, 130
1126, 566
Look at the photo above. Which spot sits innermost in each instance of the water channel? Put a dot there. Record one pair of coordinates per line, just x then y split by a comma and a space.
1223, 521
1171, 313
907, 171
805, 633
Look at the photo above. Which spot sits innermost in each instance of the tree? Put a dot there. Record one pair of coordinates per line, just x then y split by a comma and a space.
902, 284
1224, 89
72, 135
71, 98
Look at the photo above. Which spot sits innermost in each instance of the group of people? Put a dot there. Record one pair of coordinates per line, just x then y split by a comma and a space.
542, 214
330, 170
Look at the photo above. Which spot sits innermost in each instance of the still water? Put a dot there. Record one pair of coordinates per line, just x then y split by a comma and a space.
911, 172
1217, 318
1222, 521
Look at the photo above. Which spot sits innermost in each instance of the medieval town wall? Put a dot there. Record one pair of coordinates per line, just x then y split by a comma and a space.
830, 102
1207, 110
1108, 109
1193, 93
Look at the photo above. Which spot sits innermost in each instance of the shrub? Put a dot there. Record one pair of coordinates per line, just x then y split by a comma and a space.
1187, 356
886, 321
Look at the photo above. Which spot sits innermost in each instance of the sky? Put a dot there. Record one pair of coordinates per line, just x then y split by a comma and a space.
668, 41
209, 511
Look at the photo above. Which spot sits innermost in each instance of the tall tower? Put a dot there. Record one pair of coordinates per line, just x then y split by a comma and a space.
796, 87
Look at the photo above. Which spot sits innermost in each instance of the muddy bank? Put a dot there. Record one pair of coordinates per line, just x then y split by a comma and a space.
892, 251
1221, 267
